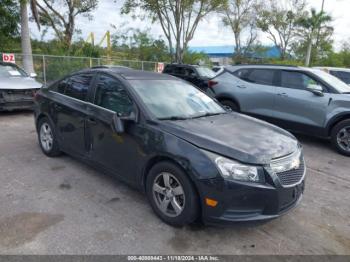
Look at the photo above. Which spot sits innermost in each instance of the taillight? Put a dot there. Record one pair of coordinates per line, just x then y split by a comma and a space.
212, 83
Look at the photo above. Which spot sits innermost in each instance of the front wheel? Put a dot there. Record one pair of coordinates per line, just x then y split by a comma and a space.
172, 195
47, 138
341, 137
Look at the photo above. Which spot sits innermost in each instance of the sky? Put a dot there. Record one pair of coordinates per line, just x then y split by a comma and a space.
210, 31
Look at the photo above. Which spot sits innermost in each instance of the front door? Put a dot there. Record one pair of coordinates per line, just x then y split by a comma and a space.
116, 152
297, 107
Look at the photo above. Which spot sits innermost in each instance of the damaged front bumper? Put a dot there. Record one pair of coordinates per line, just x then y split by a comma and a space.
16, 99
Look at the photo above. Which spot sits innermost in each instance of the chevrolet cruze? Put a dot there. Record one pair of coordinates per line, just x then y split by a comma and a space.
193, 159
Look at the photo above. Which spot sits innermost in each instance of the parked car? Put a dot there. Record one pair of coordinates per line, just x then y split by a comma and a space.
197, 75
16, 88
218, 69
342, 73
173, 142
299, 99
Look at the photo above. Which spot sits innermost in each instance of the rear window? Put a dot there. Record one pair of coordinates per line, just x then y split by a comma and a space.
206, 72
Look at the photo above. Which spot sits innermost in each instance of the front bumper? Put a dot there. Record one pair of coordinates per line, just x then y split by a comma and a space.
16, 99
239, 201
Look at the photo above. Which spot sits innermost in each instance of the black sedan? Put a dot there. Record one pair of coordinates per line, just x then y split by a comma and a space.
167, 138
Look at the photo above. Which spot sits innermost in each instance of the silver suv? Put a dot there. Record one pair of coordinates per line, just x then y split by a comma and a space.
302, 100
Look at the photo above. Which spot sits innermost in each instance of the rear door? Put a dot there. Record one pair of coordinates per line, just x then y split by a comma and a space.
297, 108
70, 110
256, 91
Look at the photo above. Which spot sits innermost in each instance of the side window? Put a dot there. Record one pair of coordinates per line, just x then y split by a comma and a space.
189, 72
110, 94
168, 70
179, 71
298, 80
242, 74
261, 76
77, 86
344, 76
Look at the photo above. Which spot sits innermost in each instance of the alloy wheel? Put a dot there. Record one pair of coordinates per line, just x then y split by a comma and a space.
343, 138
46, 137
168, 194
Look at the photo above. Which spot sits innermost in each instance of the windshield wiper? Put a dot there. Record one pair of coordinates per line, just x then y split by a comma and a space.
208, 114
173, 118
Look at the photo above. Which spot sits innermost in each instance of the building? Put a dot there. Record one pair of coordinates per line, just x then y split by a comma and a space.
222, 55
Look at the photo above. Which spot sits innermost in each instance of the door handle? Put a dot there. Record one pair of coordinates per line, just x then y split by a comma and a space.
241, 86
91, 121
57, 107
282, 94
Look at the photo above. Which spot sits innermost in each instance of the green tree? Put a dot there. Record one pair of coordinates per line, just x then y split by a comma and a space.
278, 21
312, 24
240, 16
9, 20
139, 44
63, 22
179, 19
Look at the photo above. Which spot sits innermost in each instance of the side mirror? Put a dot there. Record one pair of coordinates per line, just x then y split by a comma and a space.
315, 89
33, 75
119, 121
118, 124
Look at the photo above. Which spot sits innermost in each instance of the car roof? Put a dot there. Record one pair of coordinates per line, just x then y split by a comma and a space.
266, 66
183, 65
130, 74
333, 68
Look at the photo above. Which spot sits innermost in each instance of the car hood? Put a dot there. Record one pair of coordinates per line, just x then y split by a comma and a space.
236, 136
18, 83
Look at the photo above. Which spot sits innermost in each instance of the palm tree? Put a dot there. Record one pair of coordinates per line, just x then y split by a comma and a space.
25, 34
313, 23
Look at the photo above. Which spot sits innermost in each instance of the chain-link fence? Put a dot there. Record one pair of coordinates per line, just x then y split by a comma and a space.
50, 68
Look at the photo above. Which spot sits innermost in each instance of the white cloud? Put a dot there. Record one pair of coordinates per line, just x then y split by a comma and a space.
209, 32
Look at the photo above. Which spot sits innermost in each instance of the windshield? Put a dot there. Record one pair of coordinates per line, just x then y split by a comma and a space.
332, 80
168, 99
11, 71
206, 72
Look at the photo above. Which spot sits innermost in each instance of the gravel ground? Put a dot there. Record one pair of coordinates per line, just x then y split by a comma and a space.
61, 206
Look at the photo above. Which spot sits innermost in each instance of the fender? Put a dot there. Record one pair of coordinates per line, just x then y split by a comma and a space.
336, 119
228, 96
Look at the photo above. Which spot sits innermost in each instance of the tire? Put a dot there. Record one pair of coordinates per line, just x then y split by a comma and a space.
189, 202
47, 138
230, 104
340, 137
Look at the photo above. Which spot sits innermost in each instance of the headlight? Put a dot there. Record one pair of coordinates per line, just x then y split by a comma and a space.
233, 170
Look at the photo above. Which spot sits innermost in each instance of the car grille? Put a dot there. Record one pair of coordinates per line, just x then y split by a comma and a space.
292, 177
14, 95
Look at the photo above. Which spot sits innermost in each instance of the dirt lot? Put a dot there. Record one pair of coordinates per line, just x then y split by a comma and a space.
61, 206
